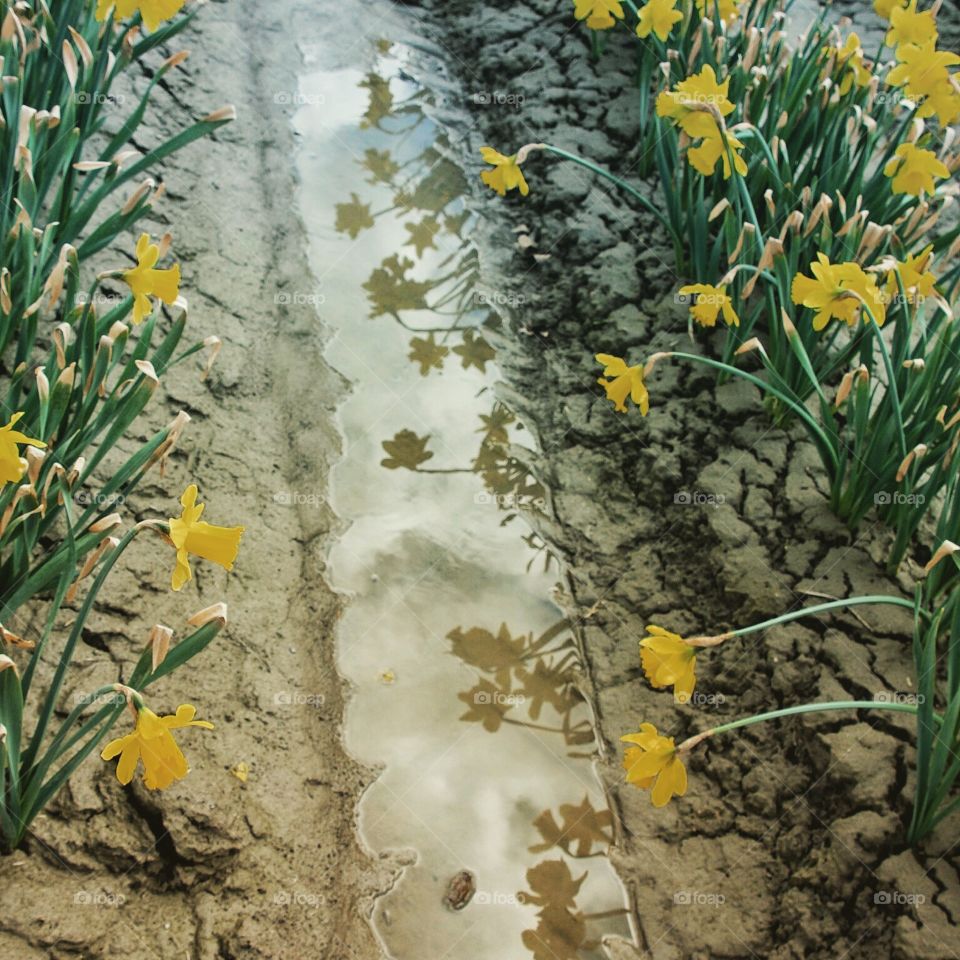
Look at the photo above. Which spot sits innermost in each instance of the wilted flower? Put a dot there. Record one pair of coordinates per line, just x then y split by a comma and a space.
838, 291
153, 12
191, 535
669, 661
626, 382
658, 16
145, 281
913, 169
599, 14
506, 173
653, 762
152, 744
708, 302
909, 26
11, 469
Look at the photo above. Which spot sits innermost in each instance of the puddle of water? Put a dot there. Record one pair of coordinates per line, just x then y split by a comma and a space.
463, 677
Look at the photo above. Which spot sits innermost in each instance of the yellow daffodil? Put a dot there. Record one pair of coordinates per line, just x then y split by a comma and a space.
707, 302
669, 661
912, 170
924, 72
838, 291
11, 466
658, 16
153, 12
505, 175
711, 149
850, 64
599, 14
152, 744
729, 9
918, 282
692, 101
191, 535
653, 762
145, 281
909, 26
626, 382
885, 7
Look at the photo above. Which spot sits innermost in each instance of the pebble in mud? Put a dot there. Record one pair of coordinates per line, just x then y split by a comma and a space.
460, 890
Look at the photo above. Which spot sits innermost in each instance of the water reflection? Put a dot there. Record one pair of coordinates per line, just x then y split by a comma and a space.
481, 730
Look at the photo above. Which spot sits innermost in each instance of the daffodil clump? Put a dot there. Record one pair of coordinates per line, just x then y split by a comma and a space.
82, 351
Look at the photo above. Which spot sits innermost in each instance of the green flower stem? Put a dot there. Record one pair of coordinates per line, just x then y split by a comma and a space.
799, 614
801, 411
606, 174
693, 741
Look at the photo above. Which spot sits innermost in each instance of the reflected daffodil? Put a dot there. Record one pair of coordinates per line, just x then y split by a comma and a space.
191, 535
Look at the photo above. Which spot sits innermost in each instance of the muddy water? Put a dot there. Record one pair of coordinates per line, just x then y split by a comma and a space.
464, 675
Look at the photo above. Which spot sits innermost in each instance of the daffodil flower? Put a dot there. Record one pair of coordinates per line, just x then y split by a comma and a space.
907, 26
838, 291
658, 16
11, 466
669, 661
729, 9
691, 103
505, 175
912, 170
145, 281
191, 535
654, 764
153, 12
599, 14
707, 302
850, 64
884, 8
711, 149
626, 382
924, 72
152, 744
918, 282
